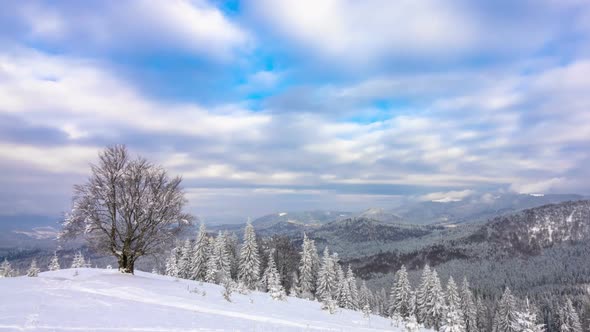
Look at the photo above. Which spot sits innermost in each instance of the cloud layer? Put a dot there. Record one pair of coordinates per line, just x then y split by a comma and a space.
341, 105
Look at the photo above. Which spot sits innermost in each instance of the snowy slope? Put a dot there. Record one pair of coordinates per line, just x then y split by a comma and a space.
106, 300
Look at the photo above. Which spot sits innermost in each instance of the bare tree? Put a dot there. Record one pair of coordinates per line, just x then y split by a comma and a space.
128, 208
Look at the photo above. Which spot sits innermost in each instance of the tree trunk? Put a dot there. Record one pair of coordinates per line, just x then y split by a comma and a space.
126, 263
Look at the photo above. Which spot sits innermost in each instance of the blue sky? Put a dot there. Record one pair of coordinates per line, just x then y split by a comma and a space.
273, 105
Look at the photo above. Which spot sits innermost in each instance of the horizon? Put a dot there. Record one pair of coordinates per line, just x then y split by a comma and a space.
273, 106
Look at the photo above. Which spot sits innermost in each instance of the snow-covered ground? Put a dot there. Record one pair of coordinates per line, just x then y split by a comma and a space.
106, 300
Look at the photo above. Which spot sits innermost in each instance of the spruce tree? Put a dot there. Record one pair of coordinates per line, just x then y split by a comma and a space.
344, 296
434, 306
172, 263
272, 279
33, 270
6, 269
526, 320
505, 317
453, 317
351, 279
364, 301
422, 293
78, 261
249, 263
200, 255
308, 268
295, 290
401, 295
219, 267
326, 278
468, 308
185, 263
54, 263
569, 321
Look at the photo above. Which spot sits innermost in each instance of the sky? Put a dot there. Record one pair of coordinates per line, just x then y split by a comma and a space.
275, 105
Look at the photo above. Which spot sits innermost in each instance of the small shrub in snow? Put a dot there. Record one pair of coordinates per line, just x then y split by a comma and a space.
78, 261
6, 270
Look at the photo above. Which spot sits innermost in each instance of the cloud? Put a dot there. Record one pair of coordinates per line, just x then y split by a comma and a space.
196, 27
445, 197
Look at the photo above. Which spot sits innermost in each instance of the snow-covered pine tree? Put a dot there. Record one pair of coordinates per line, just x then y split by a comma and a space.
526, 320
412, 324
212, 269
33, 270
401, 295
569, 321
233, 252
6, 269
308, 268
200, 255
326, 284
54, 263
352, 285
219, 268
482, 315
505, 317
172, 263
453, 317
344, 296
249, 263
422, 294
364, 301
434, 306
185, 262
295, 290
468, 307
78, 261
273, 279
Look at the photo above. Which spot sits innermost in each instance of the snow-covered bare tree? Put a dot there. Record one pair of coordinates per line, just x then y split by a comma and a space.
401, 295
54, 263
78, 261
468, 307
128, 208
6, 269
569, 321
308, 268
249, 262
200, 252
505, 317
33, 270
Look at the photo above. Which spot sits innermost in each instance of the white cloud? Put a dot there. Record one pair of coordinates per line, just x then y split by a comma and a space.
194, 26
449, 196
537, 187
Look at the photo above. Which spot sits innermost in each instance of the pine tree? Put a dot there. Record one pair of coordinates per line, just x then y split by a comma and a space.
422, 294
54, 264
219, 265
249, 263
273, 279
172, 263
33, 270
326, 278
505, 317
6, 269
453, 318
569, 321
78, 261
434, 306
468, 308
482, 315
295, 290
401, 295
185, 262
308, 268
344, 296
526, 320
200, 252
351, 279
364, 301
